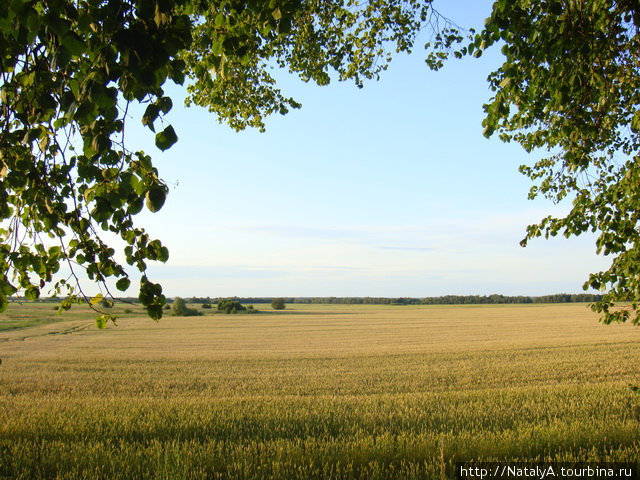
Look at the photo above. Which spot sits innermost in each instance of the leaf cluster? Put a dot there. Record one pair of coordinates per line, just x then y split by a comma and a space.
68, 73
569, 90
69, 70
238, 43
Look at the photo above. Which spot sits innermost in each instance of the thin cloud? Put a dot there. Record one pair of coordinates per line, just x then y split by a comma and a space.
245, 271
407, 249
298, 231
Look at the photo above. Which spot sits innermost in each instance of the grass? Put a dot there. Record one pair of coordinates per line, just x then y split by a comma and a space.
26, 315
317, 391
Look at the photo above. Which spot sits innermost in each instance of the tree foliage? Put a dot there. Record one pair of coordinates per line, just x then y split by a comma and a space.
570, 86
231, 305
179, 309
239, 42
70, 69
278, 304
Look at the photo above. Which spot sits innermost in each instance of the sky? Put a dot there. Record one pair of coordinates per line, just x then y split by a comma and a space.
390, 190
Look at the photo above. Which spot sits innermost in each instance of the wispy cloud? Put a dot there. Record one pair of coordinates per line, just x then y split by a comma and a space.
299, 231
216, 271
246, 271
407, 249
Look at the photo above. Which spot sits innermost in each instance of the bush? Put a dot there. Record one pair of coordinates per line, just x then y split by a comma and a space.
230, 306
206, 305
250, 309
278, 304
180, 309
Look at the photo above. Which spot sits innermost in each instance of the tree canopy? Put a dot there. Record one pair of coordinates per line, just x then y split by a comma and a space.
278, 304
230, 305
71, 68
179, 307
570, 87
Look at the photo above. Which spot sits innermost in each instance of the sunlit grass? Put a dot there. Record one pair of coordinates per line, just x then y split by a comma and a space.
30, 314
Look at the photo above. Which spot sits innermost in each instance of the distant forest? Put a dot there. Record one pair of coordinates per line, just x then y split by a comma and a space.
445, 300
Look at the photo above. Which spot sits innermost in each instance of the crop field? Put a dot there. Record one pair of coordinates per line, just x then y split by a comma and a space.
314, 392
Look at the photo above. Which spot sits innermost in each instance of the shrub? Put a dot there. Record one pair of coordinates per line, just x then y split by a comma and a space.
180, 309
278, 304
230, 306
206, 305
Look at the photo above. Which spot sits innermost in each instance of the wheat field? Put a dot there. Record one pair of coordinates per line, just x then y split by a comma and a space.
314, 392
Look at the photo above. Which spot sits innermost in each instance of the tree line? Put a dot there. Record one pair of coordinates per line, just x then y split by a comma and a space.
442, 300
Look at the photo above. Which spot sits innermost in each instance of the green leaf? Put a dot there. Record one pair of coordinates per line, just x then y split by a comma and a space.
123, 284
165, 104
635, 122
154, 311
155, 198
163, 254
101, 321
32, 293
7, 289
150, 115
166, 138
135, 206
74, 44
104, 319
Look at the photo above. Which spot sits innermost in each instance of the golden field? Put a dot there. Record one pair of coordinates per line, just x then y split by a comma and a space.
315, 391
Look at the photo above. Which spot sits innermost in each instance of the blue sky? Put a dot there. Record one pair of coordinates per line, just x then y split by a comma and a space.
390, 190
